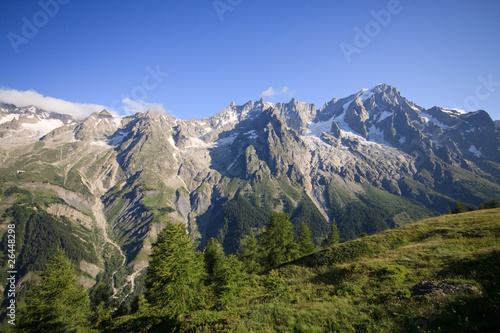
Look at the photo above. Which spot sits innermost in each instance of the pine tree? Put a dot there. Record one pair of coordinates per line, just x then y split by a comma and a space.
491, 204
173, 276
213, 258
225, 276
277, 244
459, 208
305, 243
333, 237
101, 303
57, 303
230, 279
249, 253
275, 285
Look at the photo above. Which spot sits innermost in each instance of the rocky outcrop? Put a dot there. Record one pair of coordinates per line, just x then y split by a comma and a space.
438, 289
70, 213
371, 143
297, 114
356, 116
99, 126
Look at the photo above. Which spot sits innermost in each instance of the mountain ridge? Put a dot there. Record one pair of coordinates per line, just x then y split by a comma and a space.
369, 161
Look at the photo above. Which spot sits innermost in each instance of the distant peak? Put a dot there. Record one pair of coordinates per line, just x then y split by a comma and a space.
105, 114
382, 87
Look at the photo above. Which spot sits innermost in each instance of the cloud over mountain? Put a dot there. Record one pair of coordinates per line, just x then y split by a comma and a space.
31, 97
271, 92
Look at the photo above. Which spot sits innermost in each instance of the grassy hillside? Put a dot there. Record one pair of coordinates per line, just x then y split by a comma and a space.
364, 285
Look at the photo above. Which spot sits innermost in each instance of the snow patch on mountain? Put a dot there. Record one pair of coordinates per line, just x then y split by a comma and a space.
383, 115
316, 129
118, 138
454, 111
170, 140
252, 134
475, 151
226, 141
8, 117
427, 117
366, 94
43, 126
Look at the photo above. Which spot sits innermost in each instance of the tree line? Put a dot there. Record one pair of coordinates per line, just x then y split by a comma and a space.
460, 207
179, 278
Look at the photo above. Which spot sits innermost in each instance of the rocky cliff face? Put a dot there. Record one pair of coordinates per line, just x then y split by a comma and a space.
372, 160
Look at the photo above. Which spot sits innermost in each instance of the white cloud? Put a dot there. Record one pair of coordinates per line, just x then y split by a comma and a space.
271, 92
31, 97
131, 106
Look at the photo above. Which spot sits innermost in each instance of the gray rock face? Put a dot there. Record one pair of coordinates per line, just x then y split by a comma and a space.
297, 114
28, 123
339, 161
438, 289
99, 126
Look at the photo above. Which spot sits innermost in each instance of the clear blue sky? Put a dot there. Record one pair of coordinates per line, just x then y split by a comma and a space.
98, 52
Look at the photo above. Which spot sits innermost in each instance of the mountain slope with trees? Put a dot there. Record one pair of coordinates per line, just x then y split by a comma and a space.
367, 284
108, 185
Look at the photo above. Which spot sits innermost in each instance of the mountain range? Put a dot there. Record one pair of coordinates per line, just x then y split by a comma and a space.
368, 162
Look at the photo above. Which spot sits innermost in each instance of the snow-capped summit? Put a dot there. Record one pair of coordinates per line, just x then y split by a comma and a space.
29, 121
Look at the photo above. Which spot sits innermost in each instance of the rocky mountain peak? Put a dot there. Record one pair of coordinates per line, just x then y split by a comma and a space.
105, 114
29, 122
372, 160
98, 126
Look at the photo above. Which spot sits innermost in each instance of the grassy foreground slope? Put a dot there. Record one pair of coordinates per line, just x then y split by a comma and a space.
364, 285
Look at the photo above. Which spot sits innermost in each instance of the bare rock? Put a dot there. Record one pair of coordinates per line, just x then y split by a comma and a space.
437, 289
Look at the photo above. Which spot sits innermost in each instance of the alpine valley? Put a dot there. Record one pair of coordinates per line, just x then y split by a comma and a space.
103, 187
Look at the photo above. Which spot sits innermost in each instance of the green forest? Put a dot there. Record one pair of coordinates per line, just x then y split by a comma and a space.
281, 281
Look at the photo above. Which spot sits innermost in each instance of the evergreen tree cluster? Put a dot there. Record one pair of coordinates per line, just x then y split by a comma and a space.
179, 279
57, 303
460, 207
278, 245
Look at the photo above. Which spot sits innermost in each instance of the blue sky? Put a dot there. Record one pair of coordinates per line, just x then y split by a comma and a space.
194, 57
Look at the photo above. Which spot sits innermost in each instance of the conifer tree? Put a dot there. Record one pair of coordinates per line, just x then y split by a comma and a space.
57, 303
213, 258
229, 281
491, 204
101, 303
277, 244
305, 243
173, 277
225, 276
333, 237
459, 208
249, 253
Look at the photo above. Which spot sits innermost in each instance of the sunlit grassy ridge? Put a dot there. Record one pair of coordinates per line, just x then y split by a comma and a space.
364, 285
